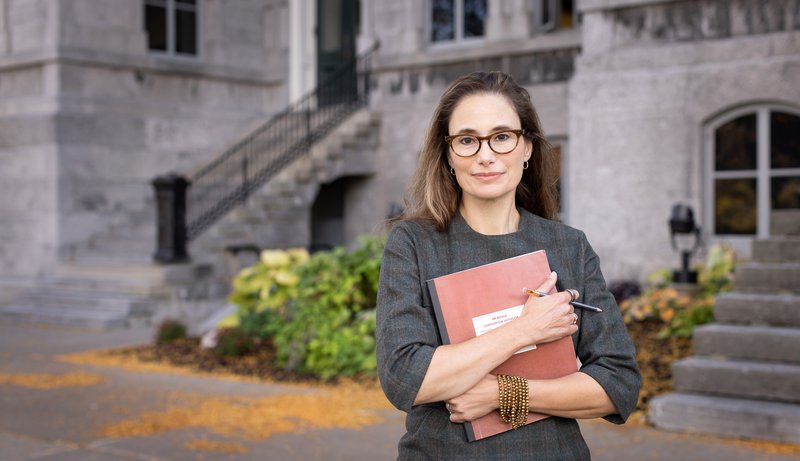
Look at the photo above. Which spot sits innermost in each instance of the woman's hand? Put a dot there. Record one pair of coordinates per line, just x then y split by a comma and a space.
481, 400
549, 318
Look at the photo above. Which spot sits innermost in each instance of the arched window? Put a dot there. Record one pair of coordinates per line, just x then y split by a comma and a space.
753, 167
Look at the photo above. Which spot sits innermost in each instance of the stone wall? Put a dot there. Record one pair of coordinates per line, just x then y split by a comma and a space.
88, 116
28, 150
651, 74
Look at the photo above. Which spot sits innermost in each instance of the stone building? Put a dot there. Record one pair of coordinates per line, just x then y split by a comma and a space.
649, 103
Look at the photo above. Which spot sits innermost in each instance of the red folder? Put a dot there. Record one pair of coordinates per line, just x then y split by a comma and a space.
476, 299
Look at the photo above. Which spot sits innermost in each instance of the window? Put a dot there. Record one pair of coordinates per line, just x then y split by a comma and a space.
171, 26
456, 20
553, 14
754, 165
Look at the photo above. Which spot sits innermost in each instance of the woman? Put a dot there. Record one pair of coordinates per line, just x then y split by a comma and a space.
484, 191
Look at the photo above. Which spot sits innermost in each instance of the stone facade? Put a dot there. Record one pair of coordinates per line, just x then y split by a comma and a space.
650, 76
88, 116
626, 95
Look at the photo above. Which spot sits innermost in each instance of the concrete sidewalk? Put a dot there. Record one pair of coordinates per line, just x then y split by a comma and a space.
63, 423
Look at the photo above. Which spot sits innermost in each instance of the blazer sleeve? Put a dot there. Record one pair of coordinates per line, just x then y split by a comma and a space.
605, 349
406, 334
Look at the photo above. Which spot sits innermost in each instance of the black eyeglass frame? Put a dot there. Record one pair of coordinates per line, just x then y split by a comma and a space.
520, 134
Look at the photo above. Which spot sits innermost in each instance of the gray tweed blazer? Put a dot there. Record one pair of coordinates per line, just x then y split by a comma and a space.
407, 335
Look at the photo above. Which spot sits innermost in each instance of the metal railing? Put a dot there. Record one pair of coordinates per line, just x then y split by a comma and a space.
228, 180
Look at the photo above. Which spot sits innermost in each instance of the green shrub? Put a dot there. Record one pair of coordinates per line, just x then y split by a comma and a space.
331, 328
320, 310
170, 330
233, 342
263, 292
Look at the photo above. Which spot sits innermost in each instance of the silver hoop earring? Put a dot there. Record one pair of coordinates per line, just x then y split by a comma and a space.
525, 165
452, 171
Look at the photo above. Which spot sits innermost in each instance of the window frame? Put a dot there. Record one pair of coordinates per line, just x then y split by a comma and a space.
459, 38
536, 13
171, 8
763, 173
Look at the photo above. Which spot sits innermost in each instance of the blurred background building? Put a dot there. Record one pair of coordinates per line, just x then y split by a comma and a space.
286, 123
648, 102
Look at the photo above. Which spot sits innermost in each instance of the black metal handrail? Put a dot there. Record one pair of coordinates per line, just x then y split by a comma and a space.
228, 180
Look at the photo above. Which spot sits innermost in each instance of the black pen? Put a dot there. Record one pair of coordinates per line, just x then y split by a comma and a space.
540, 294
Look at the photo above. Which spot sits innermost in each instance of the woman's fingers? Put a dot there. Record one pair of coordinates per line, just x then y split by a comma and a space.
549, 283
550, 317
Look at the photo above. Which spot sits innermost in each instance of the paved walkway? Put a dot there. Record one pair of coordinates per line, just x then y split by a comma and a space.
63, 423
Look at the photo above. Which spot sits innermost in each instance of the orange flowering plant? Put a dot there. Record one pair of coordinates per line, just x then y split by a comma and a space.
681, 312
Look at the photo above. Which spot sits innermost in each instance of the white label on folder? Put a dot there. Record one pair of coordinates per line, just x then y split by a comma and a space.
489, 322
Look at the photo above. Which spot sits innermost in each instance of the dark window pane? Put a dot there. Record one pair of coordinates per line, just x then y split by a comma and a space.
567, 13
185, 2
474, 17
547, 14
443, 25
185, 32
784, 140
785, 193
155, 23
735, 144
735, 206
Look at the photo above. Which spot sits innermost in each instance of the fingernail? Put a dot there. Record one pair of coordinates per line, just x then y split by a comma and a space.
553, 274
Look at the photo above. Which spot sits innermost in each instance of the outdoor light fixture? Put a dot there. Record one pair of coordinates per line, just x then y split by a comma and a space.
682, 224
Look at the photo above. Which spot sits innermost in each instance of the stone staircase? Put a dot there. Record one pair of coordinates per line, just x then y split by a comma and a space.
110, 280
744, 379
102, 296
277, 215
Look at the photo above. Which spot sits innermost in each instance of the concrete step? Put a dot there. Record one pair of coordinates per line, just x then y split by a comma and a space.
777, 249
74, 316
112, 296
758, 277
152, 280
784, 222
139, 244
738, 378
49, 304
721, 416
105, 287
101, 302
118, 258
741, 342
758, 309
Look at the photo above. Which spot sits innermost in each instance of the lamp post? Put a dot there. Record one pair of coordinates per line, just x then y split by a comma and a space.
681, 223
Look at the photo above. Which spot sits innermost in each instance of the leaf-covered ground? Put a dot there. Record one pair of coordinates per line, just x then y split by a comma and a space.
654, 355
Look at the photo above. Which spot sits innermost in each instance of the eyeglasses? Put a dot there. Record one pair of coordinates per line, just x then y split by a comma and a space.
501, 142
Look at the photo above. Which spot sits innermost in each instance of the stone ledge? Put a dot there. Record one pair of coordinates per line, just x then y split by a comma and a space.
778, 344
738, 378
590, 6
758, 309
778, 422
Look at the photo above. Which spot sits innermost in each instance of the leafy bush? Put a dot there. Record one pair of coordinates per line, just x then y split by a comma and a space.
262, 292
330, 328
233, 342
170, 330
680, 312
320, 310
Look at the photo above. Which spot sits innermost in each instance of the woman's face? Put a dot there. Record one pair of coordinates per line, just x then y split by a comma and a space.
487, 175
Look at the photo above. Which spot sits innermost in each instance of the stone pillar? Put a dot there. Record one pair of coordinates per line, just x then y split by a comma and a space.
170, 192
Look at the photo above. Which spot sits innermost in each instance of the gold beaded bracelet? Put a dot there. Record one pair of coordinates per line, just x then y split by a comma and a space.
513, 399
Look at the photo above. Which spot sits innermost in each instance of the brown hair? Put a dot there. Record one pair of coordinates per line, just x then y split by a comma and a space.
434, 194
